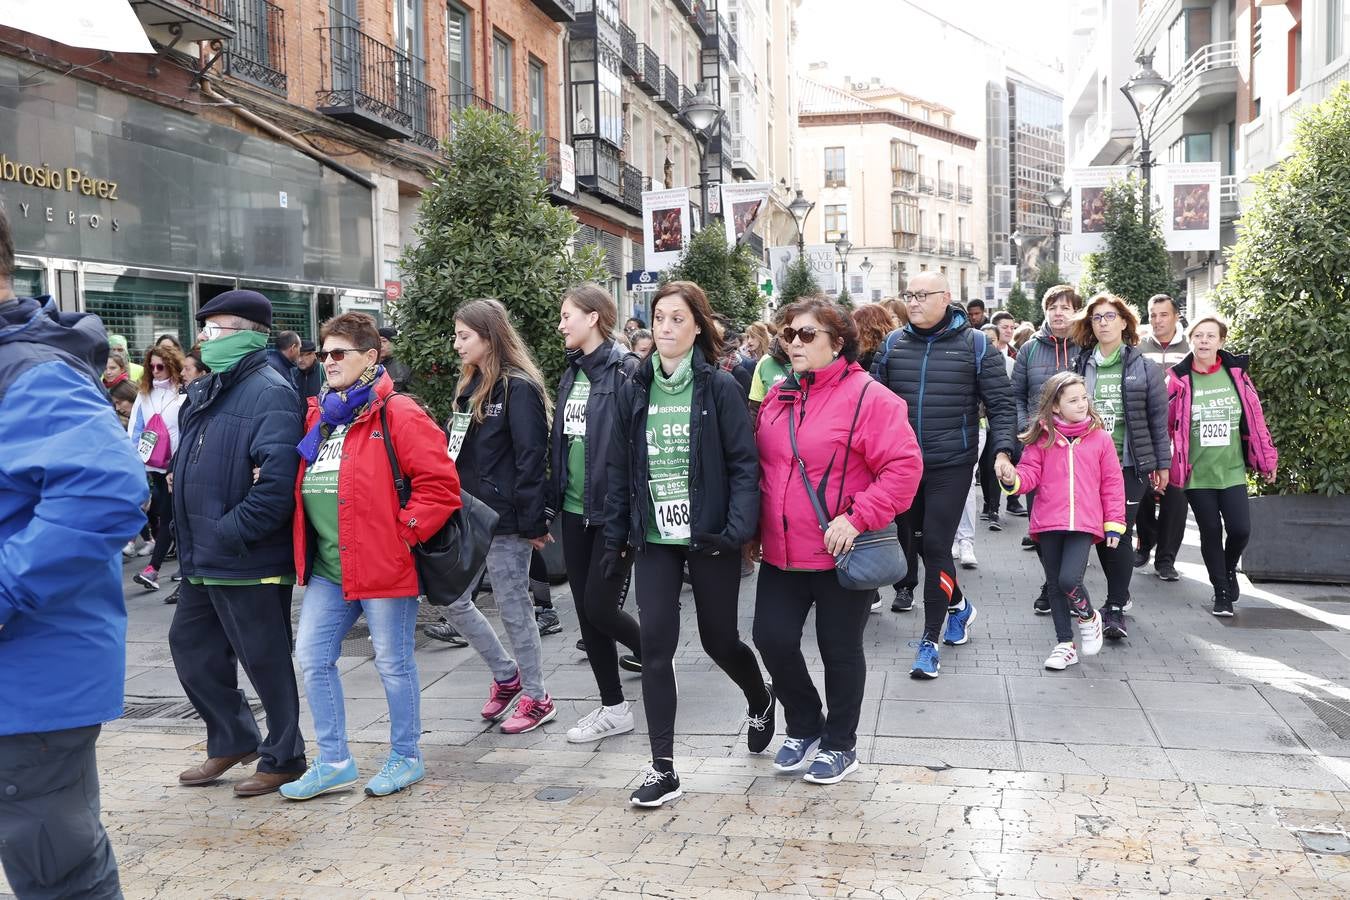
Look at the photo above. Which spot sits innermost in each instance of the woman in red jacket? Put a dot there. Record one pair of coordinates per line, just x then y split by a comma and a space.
863, 461
353, 548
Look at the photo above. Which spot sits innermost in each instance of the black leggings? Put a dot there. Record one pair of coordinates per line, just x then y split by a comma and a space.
1118, 562
716, 581
599, 605
1162, 524
161, 513
1064, 556
984, 473
928, 528
782, 601
1218, 512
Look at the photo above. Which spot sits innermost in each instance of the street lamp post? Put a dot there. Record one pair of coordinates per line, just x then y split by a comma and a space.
1145, 91
842, 248
1056, 198
704, 115
800, 208
866, 267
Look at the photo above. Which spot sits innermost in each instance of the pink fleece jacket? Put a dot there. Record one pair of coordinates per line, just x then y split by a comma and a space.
1258, 448
1077, 480
884, 466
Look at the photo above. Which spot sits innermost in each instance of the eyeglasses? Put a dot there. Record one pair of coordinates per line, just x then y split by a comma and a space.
807, 333
921, 296
1103, 318
157, 367
338, 354
212, 330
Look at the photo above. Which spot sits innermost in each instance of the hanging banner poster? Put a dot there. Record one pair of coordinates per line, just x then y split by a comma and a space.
665, 227
1087, 232
1190, 205
820, 257
742, 204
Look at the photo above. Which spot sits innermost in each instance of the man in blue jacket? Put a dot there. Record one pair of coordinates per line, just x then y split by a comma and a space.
233, 484
71, 489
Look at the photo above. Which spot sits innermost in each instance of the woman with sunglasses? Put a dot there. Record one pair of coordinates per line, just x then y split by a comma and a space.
1130, 394
352, 542
153, 426
684, 490
862, 459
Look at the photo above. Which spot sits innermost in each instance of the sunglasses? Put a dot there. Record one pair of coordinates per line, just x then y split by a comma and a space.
157, 367
338, 354
806, 333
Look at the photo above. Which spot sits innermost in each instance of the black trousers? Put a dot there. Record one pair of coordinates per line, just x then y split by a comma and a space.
599, 605
984, 474
216, 627
927, 529
1118, 563
1162, 524
52, 843
161, 515
1064, 556
716, 581
782, 601
1218, 513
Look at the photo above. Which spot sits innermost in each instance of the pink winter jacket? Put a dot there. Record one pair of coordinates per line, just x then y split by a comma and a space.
884, 466
1077, 480
1257, 446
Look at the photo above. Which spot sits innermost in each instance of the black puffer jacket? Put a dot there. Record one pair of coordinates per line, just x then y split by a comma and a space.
936, 376
723, 464
1144, 389
1039, 358
607, 369
504, 459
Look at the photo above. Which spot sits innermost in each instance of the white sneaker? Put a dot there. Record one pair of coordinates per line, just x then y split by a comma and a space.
876, 604
146, 549
130, 549
1090, 633
967, 555
602, 723
1062, 657
956, 550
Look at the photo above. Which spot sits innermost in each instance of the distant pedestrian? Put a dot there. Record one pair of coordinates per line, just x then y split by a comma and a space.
119, 343
169, 340
975, 312
283, 357
873, 322
309, 375
642, 343
1162, 517
634, 323
153, 429
398, 371
115, 369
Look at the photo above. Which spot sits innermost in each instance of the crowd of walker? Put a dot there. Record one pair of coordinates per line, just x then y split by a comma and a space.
671, 456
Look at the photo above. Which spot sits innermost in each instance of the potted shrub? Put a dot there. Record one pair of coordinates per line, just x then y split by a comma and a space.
1285, 293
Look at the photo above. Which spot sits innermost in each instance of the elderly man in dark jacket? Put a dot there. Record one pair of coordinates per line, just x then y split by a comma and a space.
233, 488
944, 370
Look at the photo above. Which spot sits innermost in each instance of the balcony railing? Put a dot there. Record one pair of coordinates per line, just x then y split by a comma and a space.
700, 18
965, 194
629, 47
426, 112
551, 171
686, 97
558, 10
649, 72
925, 184
927, 245
683, 6
631, 185
949, 248
946, 189
967, 250
187, 21
462, 96
670, 90
598, 169
365, 82
258, 52
1221, 55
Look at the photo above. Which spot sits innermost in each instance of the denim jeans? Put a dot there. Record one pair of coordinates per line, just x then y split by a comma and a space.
508, 565
325, 619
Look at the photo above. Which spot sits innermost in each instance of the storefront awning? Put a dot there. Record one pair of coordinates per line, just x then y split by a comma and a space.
97, 24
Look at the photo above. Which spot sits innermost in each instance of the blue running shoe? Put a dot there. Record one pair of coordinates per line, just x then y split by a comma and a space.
926, 663
830, 766
398, 773
958, 625
320, 778
794, 752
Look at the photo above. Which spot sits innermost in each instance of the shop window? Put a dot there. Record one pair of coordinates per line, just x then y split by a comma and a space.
28, 283
141, 309
291, 310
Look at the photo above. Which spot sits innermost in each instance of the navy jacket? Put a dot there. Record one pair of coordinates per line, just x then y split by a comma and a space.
1042, 356
71, 489
504, 460
285, 368
228, 526
1148, 447
607, 369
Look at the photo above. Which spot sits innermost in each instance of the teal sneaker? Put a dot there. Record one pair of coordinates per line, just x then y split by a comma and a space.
321, 778
398, 773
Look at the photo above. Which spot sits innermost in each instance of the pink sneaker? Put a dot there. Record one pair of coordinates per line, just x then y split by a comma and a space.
503, 695
147, 578
529, 715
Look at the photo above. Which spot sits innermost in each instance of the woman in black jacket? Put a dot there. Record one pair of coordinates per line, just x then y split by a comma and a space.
597, 368
684, 489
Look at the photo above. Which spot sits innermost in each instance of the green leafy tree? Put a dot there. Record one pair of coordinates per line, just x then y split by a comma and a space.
1021, 307
486, 229
1047, 276
1285, 294
1134, 264
845, 299
728, 275
800, 282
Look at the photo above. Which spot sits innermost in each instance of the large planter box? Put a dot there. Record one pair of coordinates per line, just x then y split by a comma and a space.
1299, 537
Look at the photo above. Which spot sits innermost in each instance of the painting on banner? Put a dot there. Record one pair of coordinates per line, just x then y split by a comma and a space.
1087, 233
665, 227
1190, 202
820, 258
742, 204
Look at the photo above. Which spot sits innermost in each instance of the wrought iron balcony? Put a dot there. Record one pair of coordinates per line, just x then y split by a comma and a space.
180, 22
598, 169
949, 248
700, 18
965, 194
928, 245
365, 83
422, 102
629, 47
967, 250
925, 184
551, 171
649, 72
258, 52
683, 6
686, 96
670, 90
631, 183
462, 96
946, 189
558, 10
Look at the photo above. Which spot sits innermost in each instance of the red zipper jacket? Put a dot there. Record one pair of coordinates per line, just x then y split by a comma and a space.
374, 534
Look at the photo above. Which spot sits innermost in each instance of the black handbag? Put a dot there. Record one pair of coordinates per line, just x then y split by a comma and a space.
874, 560
450, 561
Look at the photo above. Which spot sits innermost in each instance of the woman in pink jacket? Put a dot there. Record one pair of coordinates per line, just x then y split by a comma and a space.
861, 456
1070, 462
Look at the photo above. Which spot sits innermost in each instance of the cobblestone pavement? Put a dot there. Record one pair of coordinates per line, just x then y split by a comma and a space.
1194, 758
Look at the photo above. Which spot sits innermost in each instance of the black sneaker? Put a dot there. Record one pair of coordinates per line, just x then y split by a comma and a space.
444, 631
1114, 623
904, 600
628, 662
1140, 558
547, 620
172, 599
986, 515
657, 787
995, 523
1167, 572
581, 645
1028, 543
1223, 607
759, 734
1234, 591
1042, 604
1015, 508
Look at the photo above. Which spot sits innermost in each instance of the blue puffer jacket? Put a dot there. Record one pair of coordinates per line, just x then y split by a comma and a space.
71, 489
229, 526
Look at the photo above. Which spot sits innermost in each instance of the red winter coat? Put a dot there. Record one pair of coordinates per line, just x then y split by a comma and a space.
374, 534
1077, 480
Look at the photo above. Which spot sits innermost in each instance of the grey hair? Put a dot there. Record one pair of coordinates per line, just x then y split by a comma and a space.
249, 325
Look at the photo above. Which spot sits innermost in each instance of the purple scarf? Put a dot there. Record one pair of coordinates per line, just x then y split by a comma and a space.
339, 408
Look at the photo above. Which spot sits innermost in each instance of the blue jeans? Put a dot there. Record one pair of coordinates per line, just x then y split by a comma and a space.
325, 619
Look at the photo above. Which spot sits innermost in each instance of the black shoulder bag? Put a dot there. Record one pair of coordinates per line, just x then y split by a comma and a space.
450, 561
875, 559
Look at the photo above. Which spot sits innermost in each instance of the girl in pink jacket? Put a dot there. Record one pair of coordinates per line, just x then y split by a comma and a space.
1070, 461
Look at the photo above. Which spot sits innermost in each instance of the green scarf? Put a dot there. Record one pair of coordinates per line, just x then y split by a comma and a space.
677, 382
224, 353
1108, 361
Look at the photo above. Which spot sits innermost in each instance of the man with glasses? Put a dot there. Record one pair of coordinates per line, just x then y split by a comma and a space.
233, 495
944, 370
1162, 519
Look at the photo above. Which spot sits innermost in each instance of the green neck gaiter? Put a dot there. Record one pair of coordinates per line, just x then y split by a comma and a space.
1108, 361
679, 379
224, 353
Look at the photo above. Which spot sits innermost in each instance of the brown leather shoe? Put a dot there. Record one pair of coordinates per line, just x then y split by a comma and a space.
260, 783
213, 768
